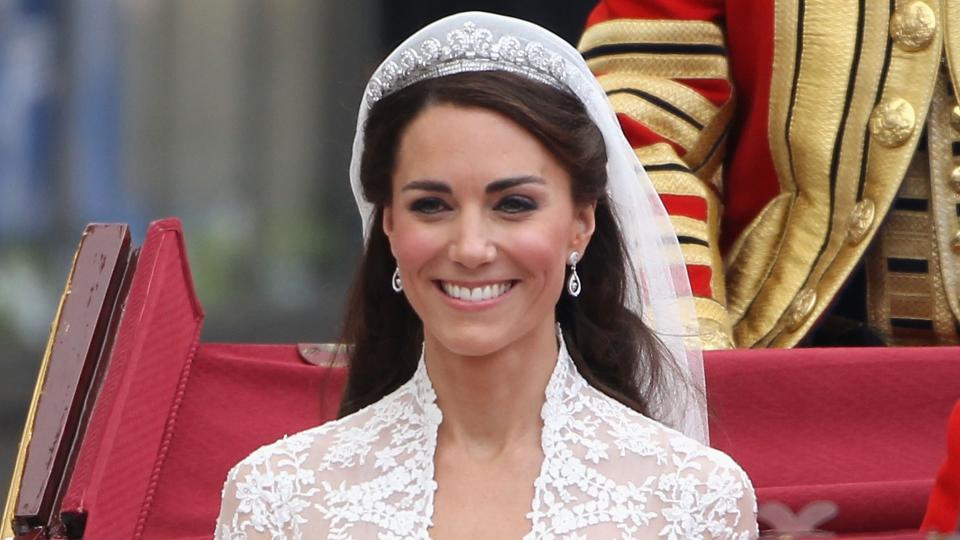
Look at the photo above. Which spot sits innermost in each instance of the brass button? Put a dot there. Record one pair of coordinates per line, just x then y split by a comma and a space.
955, 243
801, 308
892, 122
955, 179
861, 218
713, 336
955, 117
913, 26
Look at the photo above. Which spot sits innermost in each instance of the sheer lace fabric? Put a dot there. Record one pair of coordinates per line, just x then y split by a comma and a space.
608, 472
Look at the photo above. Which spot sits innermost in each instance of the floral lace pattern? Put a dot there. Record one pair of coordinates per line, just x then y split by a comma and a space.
607, 472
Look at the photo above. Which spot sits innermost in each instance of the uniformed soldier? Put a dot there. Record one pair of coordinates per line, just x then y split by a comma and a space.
809, 153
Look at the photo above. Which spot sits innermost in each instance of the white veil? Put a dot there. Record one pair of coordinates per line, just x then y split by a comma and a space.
477, 41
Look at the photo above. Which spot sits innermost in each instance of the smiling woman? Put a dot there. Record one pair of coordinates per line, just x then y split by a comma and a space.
502, 217
487, 397
494, 166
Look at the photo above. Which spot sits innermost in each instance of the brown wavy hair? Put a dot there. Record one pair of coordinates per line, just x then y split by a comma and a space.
611, 347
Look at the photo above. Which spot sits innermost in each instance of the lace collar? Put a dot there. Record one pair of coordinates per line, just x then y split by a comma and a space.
564, 373
421, 388
607, 472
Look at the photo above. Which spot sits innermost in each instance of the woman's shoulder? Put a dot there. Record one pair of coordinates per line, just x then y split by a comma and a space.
680, 448
641, 468
326, 445
277, 488
648, 448
321, 476
282, 471
297, 445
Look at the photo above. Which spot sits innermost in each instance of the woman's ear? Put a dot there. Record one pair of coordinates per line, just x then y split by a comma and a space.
584, 224
387, 224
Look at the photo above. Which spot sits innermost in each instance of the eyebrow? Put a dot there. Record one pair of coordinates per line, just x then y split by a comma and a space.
427, 185
513, 181
493, 187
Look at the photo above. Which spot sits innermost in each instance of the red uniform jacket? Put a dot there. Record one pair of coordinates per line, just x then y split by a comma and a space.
778, 133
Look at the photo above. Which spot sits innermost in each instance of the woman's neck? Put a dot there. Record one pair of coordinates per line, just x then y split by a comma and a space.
493, 402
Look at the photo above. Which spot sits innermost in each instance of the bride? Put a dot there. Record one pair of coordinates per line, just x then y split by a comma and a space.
505, 381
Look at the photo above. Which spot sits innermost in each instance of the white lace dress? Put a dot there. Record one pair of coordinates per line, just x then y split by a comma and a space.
608, 472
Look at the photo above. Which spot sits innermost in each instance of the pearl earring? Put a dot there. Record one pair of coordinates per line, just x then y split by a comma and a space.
395, 282
573, 284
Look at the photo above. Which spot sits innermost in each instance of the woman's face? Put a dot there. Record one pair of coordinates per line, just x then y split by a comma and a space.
481, 223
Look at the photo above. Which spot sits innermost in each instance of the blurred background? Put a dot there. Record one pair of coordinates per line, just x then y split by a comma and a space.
235, 115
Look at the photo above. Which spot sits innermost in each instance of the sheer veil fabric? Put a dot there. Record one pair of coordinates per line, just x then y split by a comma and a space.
477, 41
607, 471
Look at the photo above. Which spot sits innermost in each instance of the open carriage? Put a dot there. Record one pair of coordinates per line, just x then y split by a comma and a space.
135, 422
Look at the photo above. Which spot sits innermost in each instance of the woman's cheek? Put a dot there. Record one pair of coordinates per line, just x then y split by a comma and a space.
542, 237
540, 250
415, 244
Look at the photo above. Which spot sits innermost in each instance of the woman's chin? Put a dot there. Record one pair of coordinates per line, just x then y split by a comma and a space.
485, 338
474, 339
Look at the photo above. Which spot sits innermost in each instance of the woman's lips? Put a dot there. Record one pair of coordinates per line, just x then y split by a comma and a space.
476, 293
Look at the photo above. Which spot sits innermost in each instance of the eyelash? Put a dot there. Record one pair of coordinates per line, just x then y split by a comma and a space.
511, 204
428, 206
519, 204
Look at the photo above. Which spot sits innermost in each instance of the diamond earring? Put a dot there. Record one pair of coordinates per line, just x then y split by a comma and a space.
573, 284
395, 282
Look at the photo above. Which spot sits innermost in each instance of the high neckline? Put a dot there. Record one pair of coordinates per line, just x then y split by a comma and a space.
558, 385
427, 396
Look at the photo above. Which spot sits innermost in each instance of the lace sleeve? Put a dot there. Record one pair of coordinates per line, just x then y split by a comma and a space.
267, 495
239, 519
728, 477
705, 494
234, 520
747, 527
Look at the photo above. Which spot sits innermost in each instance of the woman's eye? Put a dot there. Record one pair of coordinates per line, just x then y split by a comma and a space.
516, 204
428, 205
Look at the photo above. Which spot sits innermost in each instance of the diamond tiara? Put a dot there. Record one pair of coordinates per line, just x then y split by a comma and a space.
470, 48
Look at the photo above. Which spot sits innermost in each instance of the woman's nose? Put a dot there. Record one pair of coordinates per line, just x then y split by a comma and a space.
471, 244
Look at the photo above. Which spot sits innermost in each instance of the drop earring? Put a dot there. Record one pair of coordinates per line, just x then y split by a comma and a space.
395, 282
573, 284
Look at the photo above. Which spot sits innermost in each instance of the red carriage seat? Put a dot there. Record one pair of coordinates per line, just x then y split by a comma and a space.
145, 455
135, 422
862, 428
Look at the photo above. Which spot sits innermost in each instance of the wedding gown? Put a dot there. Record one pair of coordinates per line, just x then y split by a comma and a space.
608, 472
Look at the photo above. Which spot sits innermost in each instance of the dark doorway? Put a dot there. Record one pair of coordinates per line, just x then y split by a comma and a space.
566, 18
